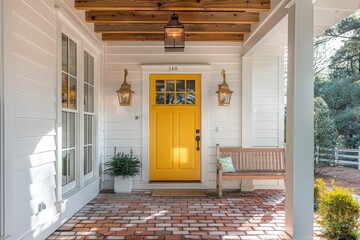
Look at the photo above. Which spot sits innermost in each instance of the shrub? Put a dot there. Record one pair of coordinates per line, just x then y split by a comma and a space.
316, 196
122, 164
339, 212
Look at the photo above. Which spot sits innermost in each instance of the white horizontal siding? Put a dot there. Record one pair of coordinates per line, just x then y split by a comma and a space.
32, 81
266, 103
124, 132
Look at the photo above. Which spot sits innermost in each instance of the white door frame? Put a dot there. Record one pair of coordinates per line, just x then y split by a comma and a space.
203, 70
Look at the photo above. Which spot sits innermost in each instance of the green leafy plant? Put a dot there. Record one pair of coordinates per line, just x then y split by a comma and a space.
316, 196
122, 164
338, 211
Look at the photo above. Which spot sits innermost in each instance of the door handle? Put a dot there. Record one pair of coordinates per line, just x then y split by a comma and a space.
197, 143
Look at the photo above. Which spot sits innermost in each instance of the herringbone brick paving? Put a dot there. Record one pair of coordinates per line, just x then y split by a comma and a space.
238, 215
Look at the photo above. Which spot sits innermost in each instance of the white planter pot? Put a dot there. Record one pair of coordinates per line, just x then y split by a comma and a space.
123, 185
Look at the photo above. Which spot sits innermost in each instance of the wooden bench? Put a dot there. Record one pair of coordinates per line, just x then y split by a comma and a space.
251, 163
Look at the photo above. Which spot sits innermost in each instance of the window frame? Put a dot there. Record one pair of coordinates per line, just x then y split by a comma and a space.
93, 114
76, 183
83, 44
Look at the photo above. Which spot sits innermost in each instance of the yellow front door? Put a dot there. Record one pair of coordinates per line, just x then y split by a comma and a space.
175, 127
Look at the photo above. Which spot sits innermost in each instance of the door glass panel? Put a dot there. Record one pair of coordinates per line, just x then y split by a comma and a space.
170, 98
180, 98
190, 98
190, 85
180, 85
170, 85
159, 98
160, 85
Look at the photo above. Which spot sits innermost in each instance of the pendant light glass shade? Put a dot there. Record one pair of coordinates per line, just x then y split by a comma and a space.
174, 35
125, 93
224, 92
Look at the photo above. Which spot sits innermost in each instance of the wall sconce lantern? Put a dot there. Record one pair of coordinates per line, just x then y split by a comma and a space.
224, 93
174, 35
125, 93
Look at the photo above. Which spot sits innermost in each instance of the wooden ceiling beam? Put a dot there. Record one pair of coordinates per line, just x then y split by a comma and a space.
159, 28
174, 5
160, 37
164, 17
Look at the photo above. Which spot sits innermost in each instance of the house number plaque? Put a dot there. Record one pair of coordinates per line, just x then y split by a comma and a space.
173, 69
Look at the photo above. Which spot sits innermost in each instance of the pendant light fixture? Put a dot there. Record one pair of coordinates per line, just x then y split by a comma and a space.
224, 92
125, 93
174, 35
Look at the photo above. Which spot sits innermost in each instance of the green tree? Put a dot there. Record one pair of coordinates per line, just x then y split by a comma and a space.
325, 133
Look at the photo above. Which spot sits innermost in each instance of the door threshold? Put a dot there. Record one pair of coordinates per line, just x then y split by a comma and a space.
169, 185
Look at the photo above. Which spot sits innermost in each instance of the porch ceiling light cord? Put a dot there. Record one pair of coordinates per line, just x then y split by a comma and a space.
174, 35
125, 93
224, 92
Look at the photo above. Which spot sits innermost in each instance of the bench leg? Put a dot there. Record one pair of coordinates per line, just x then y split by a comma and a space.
219, 180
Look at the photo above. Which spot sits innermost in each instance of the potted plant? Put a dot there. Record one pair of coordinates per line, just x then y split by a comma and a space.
123, 167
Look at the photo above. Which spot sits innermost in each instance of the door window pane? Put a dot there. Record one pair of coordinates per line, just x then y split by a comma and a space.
190, 85
160, 86
159, 98
170, 85
180, 85
190, 98
170, 98
180, 98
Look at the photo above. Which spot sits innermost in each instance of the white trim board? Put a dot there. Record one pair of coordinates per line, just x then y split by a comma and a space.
203, 70
2, 172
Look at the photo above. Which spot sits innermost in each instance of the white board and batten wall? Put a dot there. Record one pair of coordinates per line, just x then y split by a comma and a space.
31, 40
126, 127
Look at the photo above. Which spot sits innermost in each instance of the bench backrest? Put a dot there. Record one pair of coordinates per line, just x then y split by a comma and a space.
254, 159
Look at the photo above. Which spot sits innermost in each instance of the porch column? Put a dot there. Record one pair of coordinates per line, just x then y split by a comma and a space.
300, 128
246, 112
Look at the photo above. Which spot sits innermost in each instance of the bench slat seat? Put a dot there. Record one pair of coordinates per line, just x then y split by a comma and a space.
251, 163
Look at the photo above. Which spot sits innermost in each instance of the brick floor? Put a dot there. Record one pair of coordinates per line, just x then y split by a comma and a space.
238, 215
